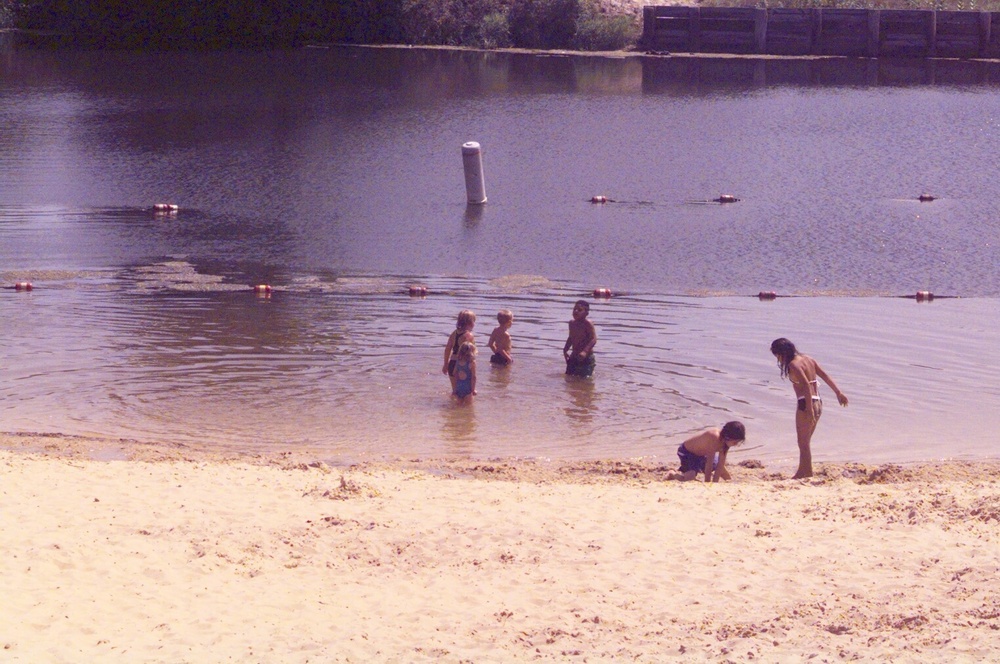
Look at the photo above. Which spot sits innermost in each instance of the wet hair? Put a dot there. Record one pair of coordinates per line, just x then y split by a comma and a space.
467, 350
785, 351
465, 318
504, 316
584, 304
734, 431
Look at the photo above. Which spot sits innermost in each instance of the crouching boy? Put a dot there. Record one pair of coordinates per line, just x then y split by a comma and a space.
698, 453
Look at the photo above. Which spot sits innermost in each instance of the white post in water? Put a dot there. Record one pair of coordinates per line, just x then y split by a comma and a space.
475, 185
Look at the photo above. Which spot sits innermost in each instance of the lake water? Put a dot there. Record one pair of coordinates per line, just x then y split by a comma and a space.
335, 175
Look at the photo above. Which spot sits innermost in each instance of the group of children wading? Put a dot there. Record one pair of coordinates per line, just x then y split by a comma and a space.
705, 452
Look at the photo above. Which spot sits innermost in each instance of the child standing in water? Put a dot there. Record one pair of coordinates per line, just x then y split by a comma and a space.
802, 371
462, 333
500, 342
698, 452
579, 348
465, 371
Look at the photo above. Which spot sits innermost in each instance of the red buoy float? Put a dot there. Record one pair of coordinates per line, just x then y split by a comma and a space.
23, 286
767, 295
417, 290
602, 292
924, 296
165, 208
263, 288
599, 199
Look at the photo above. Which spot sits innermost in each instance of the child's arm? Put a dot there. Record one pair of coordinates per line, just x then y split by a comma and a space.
720, 468
472, 371
447, 351
709, 466
494, 342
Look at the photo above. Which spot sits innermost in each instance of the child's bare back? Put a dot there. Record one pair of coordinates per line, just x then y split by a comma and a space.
500, 342
705, 443
698, 453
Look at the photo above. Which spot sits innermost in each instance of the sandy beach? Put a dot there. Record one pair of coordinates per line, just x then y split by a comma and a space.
116, 551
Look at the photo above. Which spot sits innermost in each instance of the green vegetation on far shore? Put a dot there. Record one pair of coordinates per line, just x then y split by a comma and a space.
589, 25
554, 24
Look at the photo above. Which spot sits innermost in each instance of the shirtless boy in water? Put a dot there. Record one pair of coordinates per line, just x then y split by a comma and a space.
579, 348
500, 342
697, 453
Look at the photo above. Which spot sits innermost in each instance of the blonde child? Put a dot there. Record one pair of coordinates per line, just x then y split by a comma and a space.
462, 333
465, 371
500, 342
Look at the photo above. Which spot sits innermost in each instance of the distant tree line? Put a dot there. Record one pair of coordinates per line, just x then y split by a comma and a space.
273, 23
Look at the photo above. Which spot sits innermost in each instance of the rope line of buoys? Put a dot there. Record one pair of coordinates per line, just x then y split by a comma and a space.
919, 296
928, 296
723, 199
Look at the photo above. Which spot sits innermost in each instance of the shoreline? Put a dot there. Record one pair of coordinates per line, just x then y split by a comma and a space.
627, 53
96, 448
173, 556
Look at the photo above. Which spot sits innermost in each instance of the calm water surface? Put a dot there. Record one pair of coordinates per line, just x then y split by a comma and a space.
335, 175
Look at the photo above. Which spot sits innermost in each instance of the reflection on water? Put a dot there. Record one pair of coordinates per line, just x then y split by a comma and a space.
580, 410
458, 428
473, 215
707, 75
498, 377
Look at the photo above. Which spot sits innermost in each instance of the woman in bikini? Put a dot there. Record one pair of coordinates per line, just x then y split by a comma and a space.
803, 371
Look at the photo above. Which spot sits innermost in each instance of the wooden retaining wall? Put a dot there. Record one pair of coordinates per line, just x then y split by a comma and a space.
850, 32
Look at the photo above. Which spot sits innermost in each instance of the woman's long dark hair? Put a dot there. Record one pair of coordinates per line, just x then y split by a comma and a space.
785, 352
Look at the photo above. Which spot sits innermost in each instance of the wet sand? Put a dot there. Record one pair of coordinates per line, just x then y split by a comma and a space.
118, 551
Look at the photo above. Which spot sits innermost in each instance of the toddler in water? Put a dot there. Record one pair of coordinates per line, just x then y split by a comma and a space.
500, 342
465, 371
462, 333
697, 453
